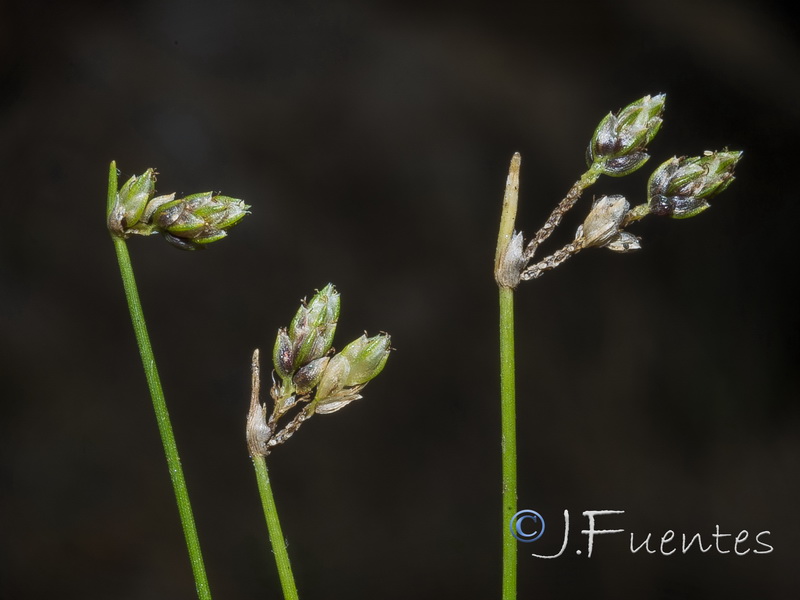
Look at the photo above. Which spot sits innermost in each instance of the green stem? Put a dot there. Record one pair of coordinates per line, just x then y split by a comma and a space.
508, 428
508, 417
159, 403
274, 527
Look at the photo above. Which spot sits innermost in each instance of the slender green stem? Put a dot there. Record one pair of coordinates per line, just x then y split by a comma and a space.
159, 403
274, 527
508, 417
508, 428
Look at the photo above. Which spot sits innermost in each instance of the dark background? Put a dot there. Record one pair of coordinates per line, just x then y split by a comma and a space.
372, 141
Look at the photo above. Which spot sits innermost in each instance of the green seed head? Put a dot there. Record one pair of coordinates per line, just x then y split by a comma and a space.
314, 325
132, 199
681, 187
618, 146
199, 219
367, 357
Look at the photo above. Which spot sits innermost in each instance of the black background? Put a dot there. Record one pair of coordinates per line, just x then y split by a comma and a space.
372, 141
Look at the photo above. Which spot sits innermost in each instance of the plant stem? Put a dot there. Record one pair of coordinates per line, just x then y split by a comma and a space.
159, 403
508, 428
508, 418
274, 527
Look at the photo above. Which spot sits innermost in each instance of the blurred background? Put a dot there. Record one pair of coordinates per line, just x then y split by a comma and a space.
372, 141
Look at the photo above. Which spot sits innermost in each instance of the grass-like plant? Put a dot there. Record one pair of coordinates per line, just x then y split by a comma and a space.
311, 377
188, 223
679, 188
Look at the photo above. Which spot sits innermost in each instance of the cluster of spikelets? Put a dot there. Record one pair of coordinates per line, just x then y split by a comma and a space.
187, 223
311, 377
679, 188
